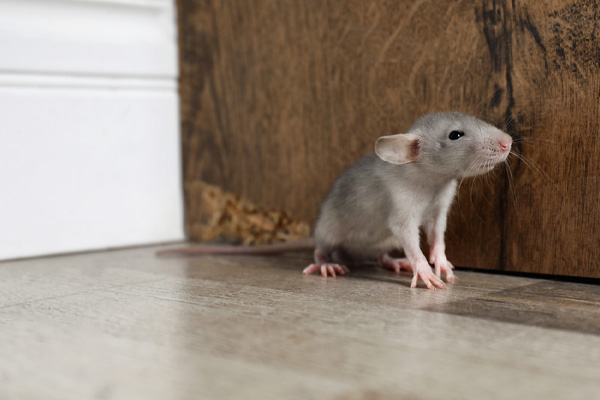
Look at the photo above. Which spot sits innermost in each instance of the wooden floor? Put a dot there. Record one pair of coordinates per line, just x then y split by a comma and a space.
129, 325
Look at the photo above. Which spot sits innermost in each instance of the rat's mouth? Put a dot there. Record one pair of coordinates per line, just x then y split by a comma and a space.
486, 168
492, 163
483, 167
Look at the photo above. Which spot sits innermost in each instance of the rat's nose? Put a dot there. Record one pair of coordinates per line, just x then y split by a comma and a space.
505, 143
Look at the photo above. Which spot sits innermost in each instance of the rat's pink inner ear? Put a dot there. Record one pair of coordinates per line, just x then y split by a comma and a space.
402, 148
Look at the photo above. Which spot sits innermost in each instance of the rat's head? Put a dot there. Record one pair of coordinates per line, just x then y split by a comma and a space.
449, 144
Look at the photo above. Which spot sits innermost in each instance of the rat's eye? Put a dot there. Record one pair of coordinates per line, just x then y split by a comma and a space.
455, 135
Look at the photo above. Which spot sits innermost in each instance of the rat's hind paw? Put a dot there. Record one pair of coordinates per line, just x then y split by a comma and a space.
395, 264
326, 269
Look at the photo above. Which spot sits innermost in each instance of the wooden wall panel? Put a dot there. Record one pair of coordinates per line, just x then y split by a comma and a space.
279, 96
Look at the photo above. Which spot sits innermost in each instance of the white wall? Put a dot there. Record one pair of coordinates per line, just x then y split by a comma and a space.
89, 125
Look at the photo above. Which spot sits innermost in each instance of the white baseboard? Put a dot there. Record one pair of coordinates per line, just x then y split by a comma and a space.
89, 138
91, 37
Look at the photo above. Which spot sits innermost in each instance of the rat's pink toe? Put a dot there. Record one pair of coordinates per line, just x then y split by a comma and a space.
326, 269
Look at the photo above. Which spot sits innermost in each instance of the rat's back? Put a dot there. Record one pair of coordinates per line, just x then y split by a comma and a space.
354, 215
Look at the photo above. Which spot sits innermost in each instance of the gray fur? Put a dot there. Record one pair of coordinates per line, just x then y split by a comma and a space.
372, 196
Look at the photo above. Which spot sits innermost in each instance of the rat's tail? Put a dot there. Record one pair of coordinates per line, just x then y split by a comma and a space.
307, 244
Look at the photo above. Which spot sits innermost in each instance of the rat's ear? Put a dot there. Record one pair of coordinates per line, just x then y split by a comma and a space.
402, 148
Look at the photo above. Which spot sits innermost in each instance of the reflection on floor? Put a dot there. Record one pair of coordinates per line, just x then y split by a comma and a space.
129, 325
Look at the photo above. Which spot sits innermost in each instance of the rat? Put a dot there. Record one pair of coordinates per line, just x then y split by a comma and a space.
379, 204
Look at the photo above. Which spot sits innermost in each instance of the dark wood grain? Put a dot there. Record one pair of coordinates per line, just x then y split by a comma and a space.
278, 97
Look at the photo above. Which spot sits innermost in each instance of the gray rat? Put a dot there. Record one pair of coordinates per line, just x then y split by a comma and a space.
379, 203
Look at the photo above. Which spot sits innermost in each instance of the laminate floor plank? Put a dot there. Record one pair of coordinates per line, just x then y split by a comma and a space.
129, 325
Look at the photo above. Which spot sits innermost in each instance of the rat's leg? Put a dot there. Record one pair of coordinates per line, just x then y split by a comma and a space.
408, 238
395, 264
435, 229
323, 264
435, 226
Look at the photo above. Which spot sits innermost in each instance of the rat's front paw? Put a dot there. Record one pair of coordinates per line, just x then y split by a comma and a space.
423, 271
326, 269
442, 264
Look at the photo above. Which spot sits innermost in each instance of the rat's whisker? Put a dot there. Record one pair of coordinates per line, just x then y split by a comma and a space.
532, 165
